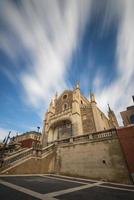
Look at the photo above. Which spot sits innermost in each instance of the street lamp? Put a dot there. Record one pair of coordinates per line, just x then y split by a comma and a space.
38, 128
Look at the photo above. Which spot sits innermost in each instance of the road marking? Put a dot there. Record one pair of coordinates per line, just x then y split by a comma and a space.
15, 175
62, 179
71, 177
26, 191
53, 194
120, 184
90, 180
116, 188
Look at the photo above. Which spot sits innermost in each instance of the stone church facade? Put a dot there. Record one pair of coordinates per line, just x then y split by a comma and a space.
72, 114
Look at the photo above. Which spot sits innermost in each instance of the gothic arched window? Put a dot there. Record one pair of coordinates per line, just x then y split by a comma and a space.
132, 119
65, 106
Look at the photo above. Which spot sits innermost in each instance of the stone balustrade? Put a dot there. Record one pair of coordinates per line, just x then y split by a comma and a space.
15, 158
32, 152
93, 137
48, 149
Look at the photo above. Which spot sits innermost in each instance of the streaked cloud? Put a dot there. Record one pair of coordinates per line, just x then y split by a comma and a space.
43, 36
119, 92
49, 32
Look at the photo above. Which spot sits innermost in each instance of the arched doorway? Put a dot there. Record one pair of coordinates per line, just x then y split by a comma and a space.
61, 130
64, 129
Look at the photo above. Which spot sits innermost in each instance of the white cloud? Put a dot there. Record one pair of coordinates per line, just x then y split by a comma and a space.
50, 31
119, 92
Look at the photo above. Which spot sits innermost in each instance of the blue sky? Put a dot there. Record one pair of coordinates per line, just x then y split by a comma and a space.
47, 46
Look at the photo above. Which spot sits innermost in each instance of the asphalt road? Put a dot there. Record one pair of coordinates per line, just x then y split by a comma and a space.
50, 187
7, 193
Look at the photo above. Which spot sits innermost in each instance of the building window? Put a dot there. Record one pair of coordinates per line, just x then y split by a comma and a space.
68, 125
65, 96
132, 119
65, 106
103, 161
64, 129
84, 117
81, 102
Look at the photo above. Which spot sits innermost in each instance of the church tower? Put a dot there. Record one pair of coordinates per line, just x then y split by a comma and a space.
100, 120
76, 112
112, 118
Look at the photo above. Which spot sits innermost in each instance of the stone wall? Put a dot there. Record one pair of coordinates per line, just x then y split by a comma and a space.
101, 160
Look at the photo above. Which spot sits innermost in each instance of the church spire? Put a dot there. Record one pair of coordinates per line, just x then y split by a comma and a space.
92, 96
109, 109
112, 118
78, 85
56, 96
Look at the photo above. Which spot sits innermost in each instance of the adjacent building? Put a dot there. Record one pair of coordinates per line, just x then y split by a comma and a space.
27, 139
128, 115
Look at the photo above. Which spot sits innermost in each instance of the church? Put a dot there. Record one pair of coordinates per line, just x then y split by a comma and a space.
72, 114
79, 140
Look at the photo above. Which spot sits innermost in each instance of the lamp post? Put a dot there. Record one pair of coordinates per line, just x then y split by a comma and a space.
38, 128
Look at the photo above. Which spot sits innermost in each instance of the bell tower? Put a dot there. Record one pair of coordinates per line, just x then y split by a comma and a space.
76, 113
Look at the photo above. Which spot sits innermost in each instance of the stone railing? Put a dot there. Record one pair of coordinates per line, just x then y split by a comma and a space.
89, 137
48, 149
15, 152
98, 136
7, 162
28, 153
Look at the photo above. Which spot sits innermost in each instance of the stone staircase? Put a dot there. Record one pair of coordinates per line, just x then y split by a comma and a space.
23, 156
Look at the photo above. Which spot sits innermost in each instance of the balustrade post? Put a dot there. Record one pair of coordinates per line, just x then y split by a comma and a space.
56, 143
34, 152
39, 153
71, 140
90, 137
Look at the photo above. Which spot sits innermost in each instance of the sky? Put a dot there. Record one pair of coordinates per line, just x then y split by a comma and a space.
47, 46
